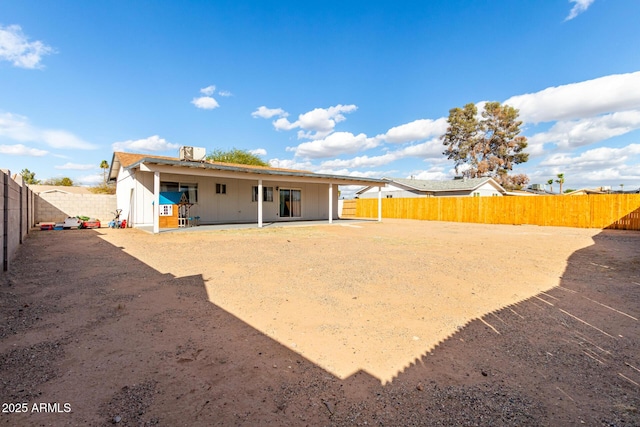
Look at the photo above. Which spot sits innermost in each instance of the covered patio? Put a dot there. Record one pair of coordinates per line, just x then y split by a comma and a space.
220, 194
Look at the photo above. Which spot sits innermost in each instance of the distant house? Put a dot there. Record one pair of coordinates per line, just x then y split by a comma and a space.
223, 192
586, 191
460, 187
42, 189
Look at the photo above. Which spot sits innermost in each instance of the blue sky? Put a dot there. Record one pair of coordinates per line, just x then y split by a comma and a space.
353, 87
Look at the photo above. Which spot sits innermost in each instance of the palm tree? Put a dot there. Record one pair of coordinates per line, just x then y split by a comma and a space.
550, 182
560, 181
104, 165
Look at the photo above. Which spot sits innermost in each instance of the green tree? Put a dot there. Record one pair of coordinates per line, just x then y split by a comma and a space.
235, 155
65, 181
29, 177
550, 182
560, 180
103, 188
104, 165
490, 146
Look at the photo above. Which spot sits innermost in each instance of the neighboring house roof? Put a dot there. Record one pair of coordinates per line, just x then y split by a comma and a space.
584, 191
131, 160
437, 186
465, 184
39, 188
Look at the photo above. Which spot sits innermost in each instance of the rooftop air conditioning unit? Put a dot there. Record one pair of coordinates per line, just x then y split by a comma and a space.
195, 154
537, 187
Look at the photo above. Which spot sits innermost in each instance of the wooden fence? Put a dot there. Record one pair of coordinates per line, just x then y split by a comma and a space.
618, 211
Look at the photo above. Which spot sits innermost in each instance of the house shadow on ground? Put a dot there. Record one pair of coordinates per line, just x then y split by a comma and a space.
119, 342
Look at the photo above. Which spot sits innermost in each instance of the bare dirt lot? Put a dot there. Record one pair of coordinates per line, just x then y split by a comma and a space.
392, 323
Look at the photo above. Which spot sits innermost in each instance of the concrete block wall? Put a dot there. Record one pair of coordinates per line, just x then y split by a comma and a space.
56, 206
17, 209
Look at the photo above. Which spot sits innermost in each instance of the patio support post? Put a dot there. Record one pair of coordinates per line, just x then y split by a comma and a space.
260, 203
330, 203
379, 204
156, 202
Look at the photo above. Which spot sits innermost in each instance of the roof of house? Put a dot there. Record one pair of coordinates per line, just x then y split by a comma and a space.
584, 191
434, 186
465, 184
131, 160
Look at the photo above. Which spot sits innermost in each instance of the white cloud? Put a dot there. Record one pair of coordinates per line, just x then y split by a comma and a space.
592, 168
335, 144
317, 123
361, 161
577, 133
64, 139
75, 166
432, 174
429, 149
283, 124
259, 152
18, 128
21, 150
267, 113
593, 159
208, 91
93, 179
579, 7
205, 102
589, 98
152, 143
416, 130
291, 164
15, 48
225, 93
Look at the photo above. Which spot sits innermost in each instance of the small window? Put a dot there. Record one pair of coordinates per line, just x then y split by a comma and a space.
476, 194
389, 196
221, 188
267, 194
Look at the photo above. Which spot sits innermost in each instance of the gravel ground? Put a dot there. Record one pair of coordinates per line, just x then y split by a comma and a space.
398, 323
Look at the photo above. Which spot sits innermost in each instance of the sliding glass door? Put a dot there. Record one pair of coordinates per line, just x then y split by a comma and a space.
290, 203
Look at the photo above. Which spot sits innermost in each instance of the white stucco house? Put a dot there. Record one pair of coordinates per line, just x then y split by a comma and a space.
220, 193
460, 187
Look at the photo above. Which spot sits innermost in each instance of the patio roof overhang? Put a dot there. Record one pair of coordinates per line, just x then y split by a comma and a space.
150, 164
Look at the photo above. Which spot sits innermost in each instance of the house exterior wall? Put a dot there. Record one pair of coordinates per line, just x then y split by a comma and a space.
124, 187
135, 197
486, 189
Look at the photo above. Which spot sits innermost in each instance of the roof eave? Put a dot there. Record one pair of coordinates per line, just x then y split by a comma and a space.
269, 172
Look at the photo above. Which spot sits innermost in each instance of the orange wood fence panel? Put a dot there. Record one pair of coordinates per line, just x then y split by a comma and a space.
618, 211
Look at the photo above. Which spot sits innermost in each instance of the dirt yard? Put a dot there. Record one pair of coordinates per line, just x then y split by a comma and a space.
391, 324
